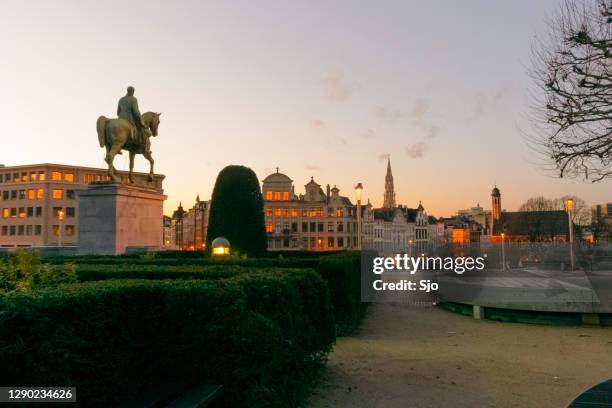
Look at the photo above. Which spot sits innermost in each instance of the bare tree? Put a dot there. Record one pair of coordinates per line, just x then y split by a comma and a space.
572, 69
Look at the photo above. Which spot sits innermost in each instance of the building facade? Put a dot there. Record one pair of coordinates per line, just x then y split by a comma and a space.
314, 221
187, 229
39, 202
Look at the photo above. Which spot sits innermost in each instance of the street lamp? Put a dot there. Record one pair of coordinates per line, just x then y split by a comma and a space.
569, 205
60, 215
358, 191
503, 253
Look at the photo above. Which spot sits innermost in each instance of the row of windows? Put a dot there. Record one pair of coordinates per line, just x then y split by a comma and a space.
25, 176
277, 195
22, 212
36, 194
312, 243
310, 227
66, 176
21, 230
22, 177
29, 230
29, 212
310, 212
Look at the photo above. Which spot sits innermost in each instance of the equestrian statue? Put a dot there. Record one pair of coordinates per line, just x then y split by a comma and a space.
131, 131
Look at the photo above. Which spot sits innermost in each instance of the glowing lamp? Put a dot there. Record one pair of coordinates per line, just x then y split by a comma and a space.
220, 246
570, 204
358, 190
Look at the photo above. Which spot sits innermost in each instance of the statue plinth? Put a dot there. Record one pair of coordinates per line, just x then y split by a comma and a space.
115, 216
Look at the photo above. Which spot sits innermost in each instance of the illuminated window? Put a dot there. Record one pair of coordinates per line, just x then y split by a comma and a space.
56, 230
39, 194
269, 227
294, 212
24, 177
277, 212
41, 176
13, 213
15, 177
268, 212
69, 177
5, 213
269, 195
339, 212
285, 195
31, 194
33, 176
56, 211
89, 178
58, 193
285, 212
56, 175
277, 195
69, 230
22, 212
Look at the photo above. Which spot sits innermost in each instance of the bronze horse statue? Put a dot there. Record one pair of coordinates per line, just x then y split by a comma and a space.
118, 134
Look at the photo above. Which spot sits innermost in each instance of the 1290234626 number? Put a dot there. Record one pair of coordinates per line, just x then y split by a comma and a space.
33, 394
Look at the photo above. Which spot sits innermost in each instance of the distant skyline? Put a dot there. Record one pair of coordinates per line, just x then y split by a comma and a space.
321, 89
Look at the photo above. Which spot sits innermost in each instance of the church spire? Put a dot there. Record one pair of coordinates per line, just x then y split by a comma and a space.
389, 199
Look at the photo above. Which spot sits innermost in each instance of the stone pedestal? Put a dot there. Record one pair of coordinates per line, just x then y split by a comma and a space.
114, 216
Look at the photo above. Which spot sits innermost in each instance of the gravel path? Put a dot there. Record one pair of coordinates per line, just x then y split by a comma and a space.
426, 357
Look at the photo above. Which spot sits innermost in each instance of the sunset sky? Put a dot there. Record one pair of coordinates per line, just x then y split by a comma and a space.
317, 88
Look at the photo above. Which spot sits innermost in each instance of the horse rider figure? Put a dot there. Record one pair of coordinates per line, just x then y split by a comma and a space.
128, 109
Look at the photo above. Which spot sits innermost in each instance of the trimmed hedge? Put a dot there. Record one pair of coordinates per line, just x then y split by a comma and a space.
342, 272
263, 335
92, 272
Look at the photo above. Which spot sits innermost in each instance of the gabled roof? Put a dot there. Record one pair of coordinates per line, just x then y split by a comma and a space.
312, 183
345, 201
385, 214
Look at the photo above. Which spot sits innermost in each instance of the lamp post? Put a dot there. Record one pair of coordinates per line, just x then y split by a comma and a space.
358, 191
202, 241
60, 215
195, 224
569, 205
503, 252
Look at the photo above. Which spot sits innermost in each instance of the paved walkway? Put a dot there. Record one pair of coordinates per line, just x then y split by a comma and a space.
426, 357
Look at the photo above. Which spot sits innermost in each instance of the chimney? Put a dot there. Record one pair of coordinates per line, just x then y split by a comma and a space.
328, 193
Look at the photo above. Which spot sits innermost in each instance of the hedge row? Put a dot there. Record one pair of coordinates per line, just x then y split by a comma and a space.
93, 272
262, 335
341, 271
199, 261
